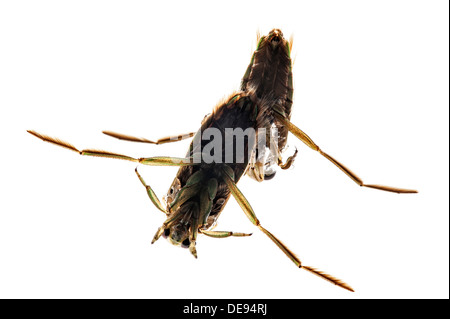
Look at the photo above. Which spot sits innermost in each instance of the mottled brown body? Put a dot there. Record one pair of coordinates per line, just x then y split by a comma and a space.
269, 77
211, 194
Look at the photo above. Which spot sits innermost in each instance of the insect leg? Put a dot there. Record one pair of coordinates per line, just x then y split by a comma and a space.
154, 161
245, 205
168, 139
309, 142
274, 149
255, 169
222, 234
151, 193
288, 162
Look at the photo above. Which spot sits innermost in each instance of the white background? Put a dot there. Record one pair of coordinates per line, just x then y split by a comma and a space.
371, 88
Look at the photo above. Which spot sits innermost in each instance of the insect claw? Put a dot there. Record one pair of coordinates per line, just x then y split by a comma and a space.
193, 250
158, 234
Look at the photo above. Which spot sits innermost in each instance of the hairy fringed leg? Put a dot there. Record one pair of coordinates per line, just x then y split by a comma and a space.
302, 136
164, 140
152, 161
245, 205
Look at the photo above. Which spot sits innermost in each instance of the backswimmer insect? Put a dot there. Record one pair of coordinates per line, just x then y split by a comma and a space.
250, 130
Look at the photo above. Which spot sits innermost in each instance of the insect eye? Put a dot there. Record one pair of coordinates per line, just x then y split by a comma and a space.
185, 243
166, 233
269, 176
171, 191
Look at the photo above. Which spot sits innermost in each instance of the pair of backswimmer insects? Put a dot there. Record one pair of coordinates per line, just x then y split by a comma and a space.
201, 189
